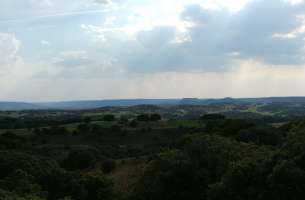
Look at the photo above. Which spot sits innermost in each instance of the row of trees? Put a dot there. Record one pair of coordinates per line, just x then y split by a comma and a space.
149, 117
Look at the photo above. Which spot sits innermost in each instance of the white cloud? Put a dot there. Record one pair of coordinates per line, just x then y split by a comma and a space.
45, 43
16, 10
294, 2
149, 50
74, 64
70, 59
42, 3
297, 32
74, 54
110, 20
9, 47
15, 71
231, 5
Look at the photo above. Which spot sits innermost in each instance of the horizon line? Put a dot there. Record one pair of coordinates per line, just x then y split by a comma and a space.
130, 99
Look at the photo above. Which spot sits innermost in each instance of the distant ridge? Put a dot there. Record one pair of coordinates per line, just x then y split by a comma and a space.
6, 106
104, 103
94, 104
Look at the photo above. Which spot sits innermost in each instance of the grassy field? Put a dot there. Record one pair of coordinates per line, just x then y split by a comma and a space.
255, 109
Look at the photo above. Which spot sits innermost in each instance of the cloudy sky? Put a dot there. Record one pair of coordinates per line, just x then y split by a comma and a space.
54, 50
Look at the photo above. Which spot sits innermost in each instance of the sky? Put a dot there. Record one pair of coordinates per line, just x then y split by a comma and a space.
54, 50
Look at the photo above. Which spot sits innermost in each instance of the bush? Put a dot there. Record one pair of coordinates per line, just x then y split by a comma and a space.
108, 165
133, 124
155, 117
143, 118
83, 128
87, 120
260, 136
212, 117
108, 118
80, 160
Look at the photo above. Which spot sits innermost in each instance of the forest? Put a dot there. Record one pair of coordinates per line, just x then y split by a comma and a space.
153, 153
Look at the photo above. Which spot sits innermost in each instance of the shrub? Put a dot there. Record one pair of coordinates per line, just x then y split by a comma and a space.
155, 117
143, 118
108, 165
80, 160
108, 118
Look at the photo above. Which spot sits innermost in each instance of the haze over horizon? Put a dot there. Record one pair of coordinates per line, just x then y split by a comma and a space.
54, 50
155, 100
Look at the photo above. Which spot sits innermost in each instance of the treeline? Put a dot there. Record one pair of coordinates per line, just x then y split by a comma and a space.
35, 122
32, 121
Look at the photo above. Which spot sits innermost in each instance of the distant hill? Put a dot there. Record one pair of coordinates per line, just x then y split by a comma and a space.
81, 105
103, 103
228, 100
195, 101
274, 100
6, 106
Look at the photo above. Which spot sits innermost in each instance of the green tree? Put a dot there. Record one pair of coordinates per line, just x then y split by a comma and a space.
80, 160
155, 117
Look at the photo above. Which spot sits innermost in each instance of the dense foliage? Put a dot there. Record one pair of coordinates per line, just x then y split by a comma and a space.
146, 156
